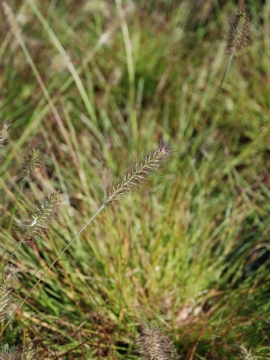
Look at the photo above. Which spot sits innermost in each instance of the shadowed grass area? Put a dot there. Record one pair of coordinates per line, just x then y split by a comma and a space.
93, 85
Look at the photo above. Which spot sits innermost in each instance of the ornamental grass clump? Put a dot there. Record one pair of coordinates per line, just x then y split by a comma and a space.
136, 175
28, 231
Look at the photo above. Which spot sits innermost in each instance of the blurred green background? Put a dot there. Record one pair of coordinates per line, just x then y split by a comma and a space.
95, 85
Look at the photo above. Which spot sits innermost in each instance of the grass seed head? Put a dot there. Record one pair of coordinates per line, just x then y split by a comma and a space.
13, 23
6, 289
31, 163
4, 133
12, 353
154, 345
239, 29
31, 229
138, 173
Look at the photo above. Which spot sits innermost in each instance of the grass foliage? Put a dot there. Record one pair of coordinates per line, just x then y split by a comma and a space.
178, 268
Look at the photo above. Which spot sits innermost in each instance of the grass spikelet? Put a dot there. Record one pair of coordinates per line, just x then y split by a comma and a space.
138, 173
238, 35
12, 353
31, 163
31, 229
4, 133
6, 288
154, 345
11, 18
246, 354
239, 30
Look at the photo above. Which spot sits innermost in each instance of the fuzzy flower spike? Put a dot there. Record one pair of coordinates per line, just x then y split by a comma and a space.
138, 173
154, 345
40, 218
240, 28
239, 33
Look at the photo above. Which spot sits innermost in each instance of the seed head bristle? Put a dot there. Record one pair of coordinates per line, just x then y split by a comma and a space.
13, 23
138, 173
31, 163
6, 288
239, 29
31, 229
12, 353
4, 133
154, 345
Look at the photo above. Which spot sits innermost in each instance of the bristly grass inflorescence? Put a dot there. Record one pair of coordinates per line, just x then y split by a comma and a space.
238, 35
31, 163
155, 345
4, 133
31, 229
10, 353
7, 278
13, 23
138, 173
239, 29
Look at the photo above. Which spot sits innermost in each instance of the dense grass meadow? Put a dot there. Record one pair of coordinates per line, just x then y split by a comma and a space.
87, 89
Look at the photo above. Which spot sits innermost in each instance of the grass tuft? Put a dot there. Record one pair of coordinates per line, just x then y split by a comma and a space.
192, 253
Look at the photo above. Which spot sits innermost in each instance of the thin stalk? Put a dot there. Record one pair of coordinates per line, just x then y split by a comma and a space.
131, 72
73, 71
10, 225
226, 70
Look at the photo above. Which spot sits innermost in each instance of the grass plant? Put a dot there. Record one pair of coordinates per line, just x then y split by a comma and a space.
91, 85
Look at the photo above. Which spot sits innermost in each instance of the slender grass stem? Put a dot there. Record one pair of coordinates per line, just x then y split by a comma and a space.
62, 51
229, 62
131, 72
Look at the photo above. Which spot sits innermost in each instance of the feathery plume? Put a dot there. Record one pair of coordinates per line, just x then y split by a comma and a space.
40, 218
138, 173
31, 163
246, 354
240, 28
238, 35
13, 23
154, 345
6, 288
4, 133
12, 353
